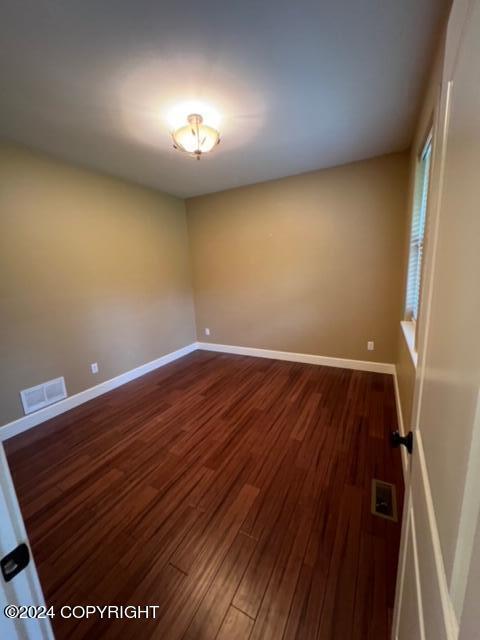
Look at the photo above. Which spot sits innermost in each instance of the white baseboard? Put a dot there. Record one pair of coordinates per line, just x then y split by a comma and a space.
401, 424
32, 420
326, 361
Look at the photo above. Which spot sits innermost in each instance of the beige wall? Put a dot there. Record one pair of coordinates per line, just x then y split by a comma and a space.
95, 269
310, 263
92, 270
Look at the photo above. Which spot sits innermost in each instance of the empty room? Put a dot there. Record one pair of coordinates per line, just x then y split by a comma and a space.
239, 320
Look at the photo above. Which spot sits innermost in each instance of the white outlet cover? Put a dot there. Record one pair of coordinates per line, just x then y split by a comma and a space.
207, 331
370, 345
94, 367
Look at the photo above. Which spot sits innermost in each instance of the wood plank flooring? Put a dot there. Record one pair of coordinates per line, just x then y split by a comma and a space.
232, 492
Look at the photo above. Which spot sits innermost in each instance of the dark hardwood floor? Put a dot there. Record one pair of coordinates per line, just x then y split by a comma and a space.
233, 492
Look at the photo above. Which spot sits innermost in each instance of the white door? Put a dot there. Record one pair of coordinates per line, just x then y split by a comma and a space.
443, 491
470, 620
24, 589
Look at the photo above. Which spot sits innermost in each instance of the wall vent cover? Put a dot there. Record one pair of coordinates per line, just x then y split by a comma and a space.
43, 395
384, 500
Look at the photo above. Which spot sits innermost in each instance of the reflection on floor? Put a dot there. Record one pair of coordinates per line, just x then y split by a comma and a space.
232, 492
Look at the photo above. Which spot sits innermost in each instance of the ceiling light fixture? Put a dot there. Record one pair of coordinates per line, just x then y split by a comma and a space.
195, 138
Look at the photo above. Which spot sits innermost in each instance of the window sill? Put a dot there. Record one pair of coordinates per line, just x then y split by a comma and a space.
408, 329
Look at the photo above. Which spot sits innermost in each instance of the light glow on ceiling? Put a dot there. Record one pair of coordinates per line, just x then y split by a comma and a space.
177, 116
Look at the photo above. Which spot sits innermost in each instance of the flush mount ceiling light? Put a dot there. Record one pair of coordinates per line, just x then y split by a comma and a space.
195, 138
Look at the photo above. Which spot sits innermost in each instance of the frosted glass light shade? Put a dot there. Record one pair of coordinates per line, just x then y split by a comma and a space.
195, 138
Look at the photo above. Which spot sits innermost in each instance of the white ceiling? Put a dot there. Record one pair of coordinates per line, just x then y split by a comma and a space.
299, 84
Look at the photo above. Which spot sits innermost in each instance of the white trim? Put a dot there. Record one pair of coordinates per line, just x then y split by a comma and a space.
26, 589
402, 561
326, 361
423, 501
431, 249
34, 419
401, 425
416, 564
446, 601
468, 519
408, 328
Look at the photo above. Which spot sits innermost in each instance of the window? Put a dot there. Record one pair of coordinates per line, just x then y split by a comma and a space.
417, 236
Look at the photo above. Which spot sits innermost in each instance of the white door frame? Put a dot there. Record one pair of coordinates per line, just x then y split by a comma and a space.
455, 591
24, 589
449, 594
408, 536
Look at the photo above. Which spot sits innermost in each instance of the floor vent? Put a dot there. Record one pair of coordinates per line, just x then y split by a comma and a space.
42, 395
384, 501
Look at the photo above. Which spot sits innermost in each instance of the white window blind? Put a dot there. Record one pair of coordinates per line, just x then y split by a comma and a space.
417, 237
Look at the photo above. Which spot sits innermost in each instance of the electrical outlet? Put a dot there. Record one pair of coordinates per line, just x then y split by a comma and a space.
207, 331
94, 367
371, 345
